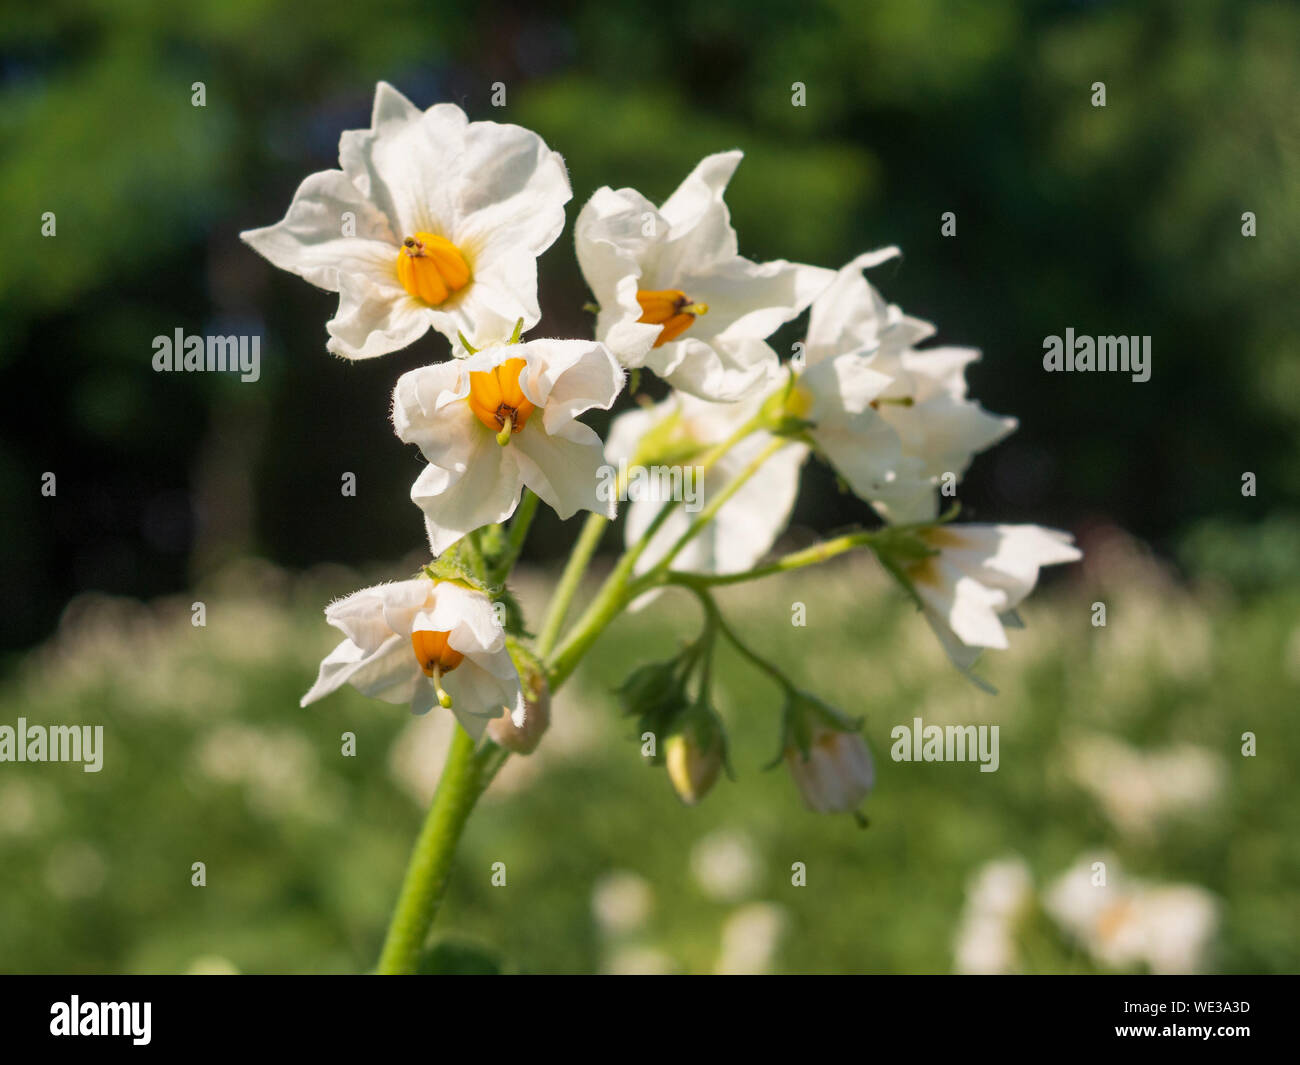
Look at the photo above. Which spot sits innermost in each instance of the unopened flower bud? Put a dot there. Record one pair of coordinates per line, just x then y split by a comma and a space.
693, 762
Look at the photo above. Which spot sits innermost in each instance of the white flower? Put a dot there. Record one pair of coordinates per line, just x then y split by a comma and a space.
425, 643
978, 577
751, 937
432, 222
924, 402
747, 524
837, 773
837, 397
675, 295
1125, 922
997, 898
1140, 789
503, 418
622, 902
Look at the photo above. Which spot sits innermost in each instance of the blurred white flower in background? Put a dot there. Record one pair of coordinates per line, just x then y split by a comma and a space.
75, 870
725, 864
621, 902
638, 961
1139, 789
998, 896
1127, 922
751, 937
212, 965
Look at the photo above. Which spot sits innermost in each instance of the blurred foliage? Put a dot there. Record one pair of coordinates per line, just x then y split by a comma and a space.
1125, 220
207, 758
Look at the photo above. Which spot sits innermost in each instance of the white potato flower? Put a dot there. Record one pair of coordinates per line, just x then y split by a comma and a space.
674, 293
836, 773
503, 418
937, 430
426, 643
971, 587
747, 525
432, 221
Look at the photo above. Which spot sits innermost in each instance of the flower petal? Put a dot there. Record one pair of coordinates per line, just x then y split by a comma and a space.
567, 378
388, 673
403, 161
310, 242
429, 411
563, 469
484, 493
374, 318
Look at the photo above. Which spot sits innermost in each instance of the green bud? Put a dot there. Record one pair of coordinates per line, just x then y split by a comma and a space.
695, 754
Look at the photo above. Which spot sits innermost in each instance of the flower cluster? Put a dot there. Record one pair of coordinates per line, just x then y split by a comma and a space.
436, 222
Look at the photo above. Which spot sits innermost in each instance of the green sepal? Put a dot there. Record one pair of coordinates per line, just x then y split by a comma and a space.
531, 669
801, 715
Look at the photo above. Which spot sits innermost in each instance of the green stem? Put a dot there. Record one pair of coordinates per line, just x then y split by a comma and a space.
570, 580
467, 773
609, 602
518, 533
718, 501
430, 865
809, 556
716, 619
617, 591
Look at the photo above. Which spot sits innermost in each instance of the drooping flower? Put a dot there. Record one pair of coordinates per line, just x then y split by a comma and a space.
923, 400
828, 759
978, 576
425, 643
747, 525
674, 293
499, 420
432, 222
835, 774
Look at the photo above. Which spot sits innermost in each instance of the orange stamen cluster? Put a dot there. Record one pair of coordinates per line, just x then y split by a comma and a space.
433, 653
497, 399
431, 268
670, 308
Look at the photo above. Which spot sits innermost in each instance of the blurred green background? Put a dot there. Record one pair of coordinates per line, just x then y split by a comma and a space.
1124, 219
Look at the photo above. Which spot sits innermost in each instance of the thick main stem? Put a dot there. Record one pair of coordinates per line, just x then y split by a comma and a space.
466, 773
430, 866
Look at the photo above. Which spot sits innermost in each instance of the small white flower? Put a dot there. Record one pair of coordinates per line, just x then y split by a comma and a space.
1141, 789
432, 222
622, 902
978, 577
499, 420
837, 774
923, 400
426, 643
751, 938
674, 293
747, 525
1126, 922
998, 896
837, 395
